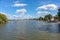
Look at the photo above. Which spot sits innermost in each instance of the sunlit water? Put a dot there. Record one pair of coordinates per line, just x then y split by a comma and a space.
29, 30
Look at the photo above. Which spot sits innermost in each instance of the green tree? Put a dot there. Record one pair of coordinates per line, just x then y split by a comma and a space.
3, 18
58, 14
47, 17
56, 17
40, 18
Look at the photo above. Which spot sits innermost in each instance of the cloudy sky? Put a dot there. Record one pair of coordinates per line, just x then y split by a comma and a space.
25, 9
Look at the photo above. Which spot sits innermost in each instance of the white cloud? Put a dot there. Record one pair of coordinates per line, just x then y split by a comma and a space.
18, 16
21, 17
48, 7
21, 11
29, 17
16, 1
17, 4
3, 13
41, 13
22, 14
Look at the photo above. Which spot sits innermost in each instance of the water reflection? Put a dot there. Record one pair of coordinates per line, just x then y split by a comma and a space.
2, 25
29, 30
58, 28
51, 27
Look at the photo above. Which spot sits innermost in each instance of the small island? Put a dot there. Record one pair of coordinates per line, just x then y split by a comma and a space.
3, 18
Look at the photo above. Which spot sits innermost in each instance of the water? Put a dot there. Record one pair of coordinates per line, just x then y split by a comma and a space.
29, 30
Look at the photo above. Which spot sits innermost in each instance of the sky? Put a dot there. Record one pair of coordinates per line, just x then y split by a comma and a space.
26, 9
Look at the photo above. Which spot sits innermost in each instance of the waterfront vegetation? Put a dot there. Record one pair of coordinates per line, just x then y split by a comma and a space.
3, 18
49, 17
58, 14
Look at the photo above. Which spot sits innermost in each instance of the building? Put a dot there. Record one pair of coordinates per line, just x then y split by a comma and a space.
52, 19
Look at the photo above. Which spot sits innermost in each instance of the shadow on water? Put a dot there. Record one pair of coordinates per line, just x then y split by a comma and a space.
2, 25
51, 28
58, 28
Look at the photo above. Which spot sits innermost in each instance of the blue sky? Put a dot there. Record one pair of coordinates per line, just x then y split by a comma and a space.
25, 9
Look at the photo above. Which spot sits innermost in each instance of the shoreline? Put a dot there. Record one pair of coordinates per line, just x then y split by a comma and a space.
54, 22
58, 22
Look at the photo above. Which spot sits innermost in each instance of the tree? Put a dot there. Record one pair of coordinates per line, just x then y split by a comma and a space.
58, 14
56, 17
40, 18
3, 18
47, 17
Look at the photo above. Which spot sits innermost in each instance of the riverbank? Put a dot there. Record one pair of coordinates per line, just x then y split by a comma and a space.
58, 22
55, 22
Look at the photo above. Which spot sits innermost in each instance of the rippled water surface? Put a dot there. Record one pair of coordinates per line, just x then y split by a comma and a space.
29, 30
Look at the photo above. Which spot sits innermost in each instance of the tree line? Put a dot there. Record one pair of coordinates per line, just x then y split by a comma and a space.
49, 16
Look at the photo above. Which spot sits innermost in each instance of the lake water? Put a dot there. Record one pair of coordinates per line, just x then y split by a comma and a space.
29, 30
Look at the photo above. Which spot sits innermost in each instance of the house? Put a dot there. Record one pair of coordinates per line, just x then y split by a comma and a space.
52, 19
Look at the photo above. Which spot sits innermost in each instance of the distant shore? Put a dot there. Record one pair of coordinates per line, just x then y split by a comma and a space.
58, 22
55, 22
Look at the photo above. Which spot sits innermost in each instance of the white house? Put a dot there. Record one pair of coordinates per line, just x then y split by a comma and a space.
52, 19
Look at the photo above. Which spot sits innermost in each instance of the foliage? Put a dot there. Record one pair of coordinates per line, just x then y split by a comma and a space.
58, 14
56, 17
3, 18
47, 17
40, 18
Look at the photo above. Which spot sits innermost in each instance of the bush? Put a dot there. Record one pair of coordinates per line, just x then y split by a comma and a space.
3, 18
58, 14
